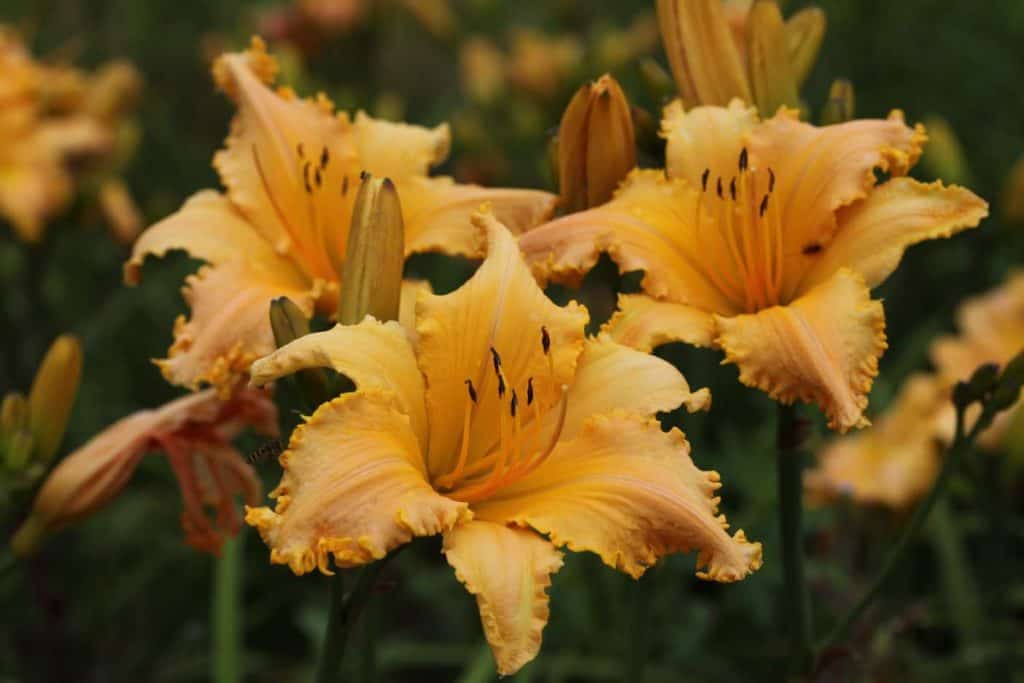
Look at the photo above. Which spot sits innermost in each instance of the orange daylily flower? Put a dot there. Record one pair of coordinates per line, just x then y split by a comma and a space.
500, 427
195, 433
292, 168
763, 239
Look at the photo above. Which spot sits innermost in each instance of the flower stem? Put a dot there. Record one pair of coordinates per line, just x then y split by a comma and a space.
961, 443
227, 635
343, 613
790, 435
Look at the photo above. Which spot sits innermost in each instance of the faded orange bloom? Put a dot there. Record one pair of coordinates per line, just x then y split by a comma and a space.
499, 426
763, 239
292, 168
539, 64
194, 433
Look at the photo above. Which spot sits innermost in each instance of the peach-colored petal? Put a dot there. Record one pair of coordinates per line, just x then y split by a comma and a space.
500, 307
629, 492
705, 138
354, 486
874, 233
509, 571
374, 355
643, 323
822, 348
396, 150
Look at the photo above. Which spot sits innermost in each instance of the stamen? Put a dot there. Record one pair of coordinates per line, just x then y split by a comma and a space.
704, 179
514, 403
301, 150
721, 195
764, 206
743, 160
318, 177
472, 390
771, 180
732, 188
529, 391
344, 186
545, 340
496, 359
324, 157
305, 178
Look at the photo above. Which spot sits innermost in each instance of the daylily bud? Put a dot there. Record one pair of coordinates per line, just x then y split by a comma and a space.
944, 157
1013, 193
805, 32
53, 394
771, 72
18, 448
978, 387
13, 413
1007, 391
839, 107
371, 277
15, 439
596, 145
289, 323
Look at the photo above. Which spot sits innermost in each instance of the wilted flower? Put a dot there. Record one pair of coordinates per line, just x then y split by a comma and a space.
763, 239
499, 426
292, 168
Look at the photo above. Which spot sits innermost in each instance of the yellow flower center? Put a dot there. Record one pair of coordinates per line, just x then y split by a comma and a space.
748, 269
520, 447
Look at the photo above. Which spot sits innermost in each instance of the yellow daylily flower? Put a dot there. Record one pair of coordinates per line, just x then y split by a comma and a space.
292, 169
195, 433
500, 427
763, 239
895, 462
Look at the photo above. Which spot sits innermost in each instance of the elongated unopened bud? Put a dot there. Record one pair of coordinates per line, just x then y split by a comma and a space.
805, 32
289, 323
596, 145
768, 54
839, 108
371, 278
13, 412
53, 395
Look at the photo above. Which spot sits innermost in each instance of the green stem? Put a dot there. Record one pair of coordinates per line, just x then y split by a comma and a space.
961, 444
227, 607
789, 439
344, 611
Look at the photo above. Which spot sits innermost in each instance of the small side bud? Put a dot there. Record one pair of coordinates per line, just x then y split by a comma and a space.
944, 157
596, 145
53, 395
13, 413
771, 72
839, 108
805, 32
371, 277
289, 323
1007, 391
1012, 194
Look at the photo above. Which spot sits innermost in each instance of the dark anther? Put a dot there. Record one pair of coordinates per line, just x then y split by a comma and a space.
721, 194
344, 186
364, 174
704, 180
529, 391
471, 389
324, 158
497, 360
267, 450
301, 150
743, 160
317, 177
771, 180
501, 385
514, 404
764, 206
812, 248
305, 177
545, 340
732, 188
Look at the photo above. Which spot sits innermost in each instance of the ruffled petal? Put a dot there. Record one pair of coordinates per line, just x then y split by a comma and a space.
650, 225
396, 150
629, 492
372, 354
874, 233
500, 307
644, 323
612, 377
354, 486
437, 213
820, 169
209, 227
509, 571
230, 325
823, 348
705, 138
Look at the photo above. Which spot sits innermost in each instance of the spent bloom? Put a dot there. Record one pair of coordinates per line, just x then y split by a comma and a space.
763, 239
292, 168
194, 432
496, 424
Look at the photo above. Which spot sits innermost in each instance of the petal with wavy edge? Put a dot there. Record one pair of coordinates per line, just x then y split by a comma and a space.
229, 327
650, 225
354, 486
502, 307
644, 323
705, 138
437, 213
821, 169
209, 227
509, 571
822, 348
396, 150
874, 233
612, 377
629, 492
372, 354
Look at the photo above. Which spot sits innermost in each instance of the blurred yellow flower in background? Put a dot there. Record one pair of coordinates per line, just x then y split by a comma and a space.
292, 168
496, 424
763, 239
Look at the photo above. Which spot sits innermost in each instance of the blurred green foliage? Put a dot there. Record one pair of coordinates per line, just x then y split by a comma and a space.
120, 598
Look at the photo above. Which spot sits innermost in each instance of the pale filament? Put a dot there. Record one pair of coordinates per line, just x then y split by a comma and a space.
515, 455
744, 215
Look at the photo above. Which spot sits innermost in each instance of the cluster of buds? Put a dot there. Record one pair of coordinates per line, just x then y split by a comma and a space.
32, 428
